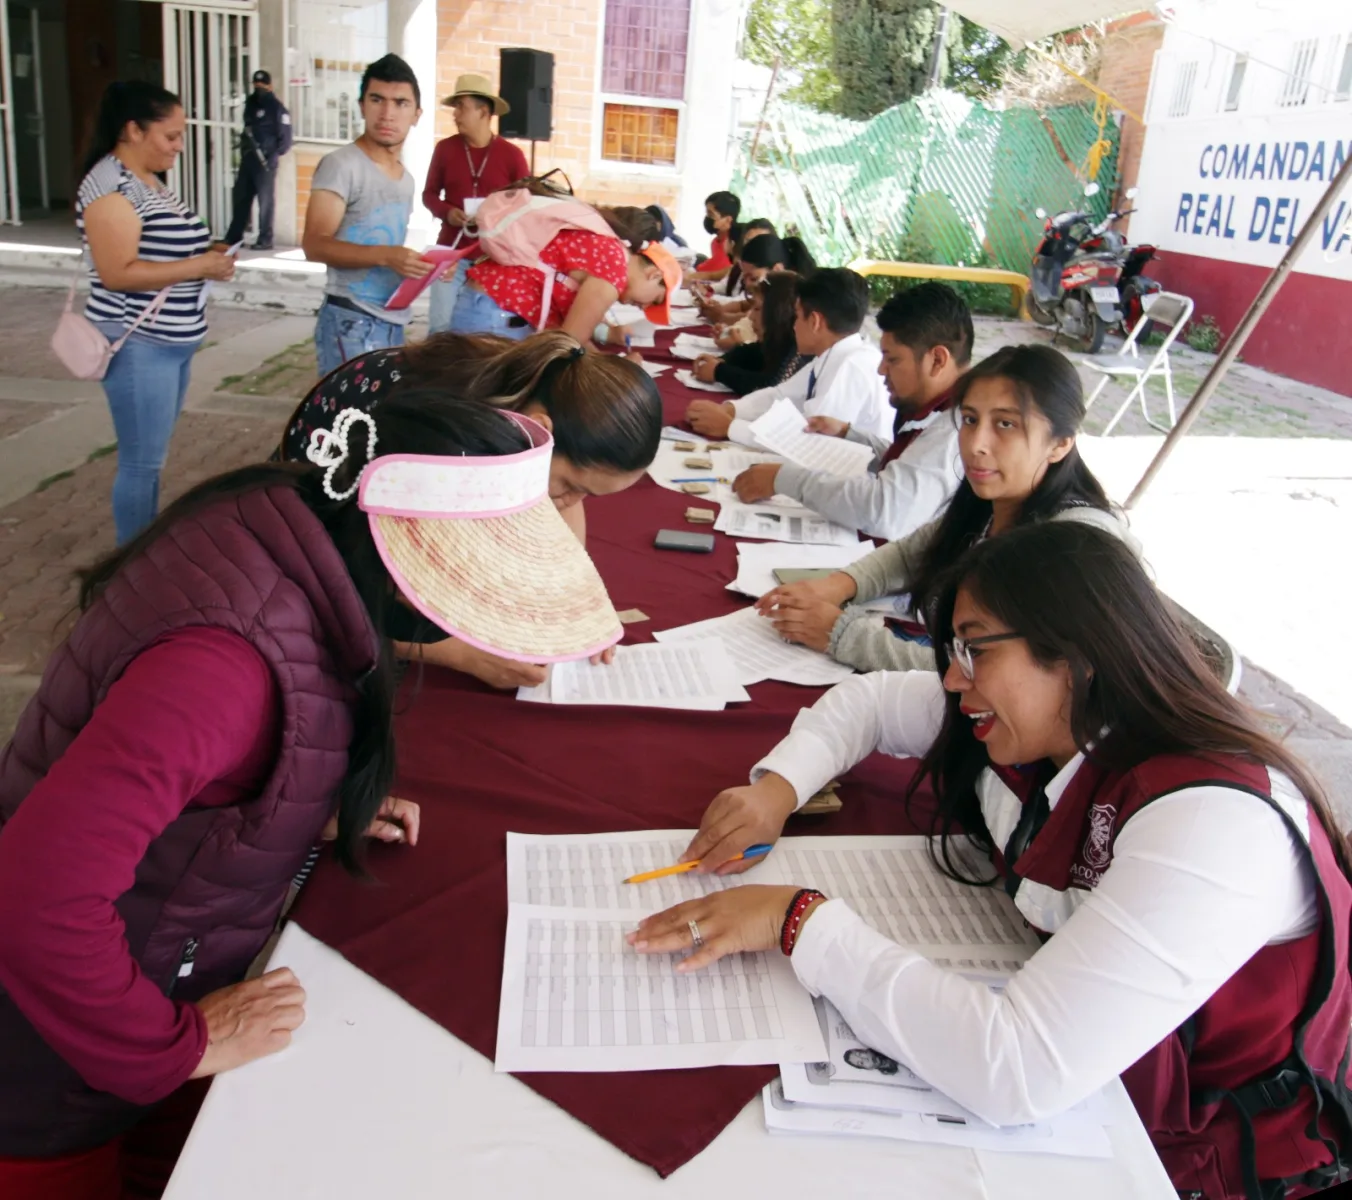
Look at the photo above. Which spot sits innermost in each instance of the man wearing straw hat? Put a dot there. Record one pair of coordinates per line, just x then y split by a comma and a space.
465, 168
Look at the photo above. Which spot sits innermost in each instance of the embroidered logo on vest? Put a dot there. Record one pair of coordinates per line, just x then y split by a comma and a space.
1098, 846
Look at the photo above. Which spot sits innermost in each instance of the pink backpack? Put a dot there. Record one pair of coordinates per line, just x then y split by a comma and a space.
515, 225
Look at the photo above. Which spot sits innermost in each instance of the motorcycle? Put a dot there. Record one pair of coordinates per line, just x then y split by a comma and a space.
1136, 288
1079, 275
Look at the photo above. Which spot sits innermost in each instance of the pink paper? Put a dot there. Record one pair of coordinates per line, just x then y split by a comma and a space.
444, 259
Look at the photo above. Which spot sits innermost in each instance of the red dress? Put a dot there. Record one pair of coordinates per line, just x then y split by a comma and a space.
517, 289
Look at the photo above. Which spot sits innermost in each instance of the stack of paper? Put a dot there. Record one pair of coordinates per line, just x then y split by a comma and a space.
782, 429
687, 316
695, 675
778, 525
688, 378
688, 345
577, 997
654, 369
757, 562
758, 652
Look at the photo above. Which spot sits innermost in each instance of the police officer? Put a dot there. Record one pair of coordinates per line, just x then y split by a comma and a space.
266, 137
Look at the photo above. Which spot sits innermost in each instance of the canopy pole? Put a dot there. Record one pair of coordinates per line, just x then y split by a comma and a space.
1230, 351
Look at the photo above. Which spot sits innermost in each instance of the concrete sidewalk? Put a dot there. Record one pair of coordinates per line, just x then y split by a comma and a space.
1249, 533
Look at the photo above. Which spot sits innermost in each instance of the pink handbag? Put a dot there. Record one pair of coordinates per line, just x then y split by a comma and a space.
82, 348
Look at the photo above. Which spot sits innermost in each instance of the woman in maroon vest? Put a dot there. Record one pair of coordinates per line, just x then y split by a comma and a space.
227, 693
1184, 868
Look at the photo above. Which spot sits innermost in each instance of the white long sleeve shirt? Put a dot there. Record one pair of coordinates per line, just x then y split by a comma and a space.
893, 503
843, 382
1199, 882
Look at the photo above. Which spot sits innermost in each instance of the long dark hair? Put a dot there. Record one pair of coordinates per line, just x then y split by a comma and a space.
779, 291
1047, 383
1079, 596
606, 411
123, 102
418, 422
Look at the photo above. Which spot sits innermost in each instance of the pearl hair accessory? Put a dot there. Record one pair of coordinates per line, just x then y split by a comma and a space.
329, 448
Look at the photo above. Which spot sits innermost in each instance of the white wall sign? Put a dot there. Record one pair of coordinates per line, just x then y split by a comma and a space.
1240, 189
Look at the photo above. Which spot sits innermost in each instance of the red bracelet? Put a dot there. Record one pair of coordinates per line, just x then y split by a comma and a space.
803, 899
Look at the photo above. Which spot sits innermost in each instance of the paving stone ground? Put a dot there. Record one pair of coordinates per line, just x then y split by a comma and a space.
46, 536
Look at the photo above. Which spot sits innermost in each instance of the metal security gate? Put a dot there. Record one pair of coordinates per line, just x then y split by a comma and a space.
209, 57
9, 175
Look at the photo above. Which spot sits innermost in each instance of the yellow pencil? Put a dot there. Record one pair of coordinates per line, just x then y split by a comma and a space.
680, 868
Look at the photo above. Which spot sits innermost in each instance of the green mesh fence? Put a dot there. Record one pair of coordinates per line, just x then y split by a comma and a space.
939, 179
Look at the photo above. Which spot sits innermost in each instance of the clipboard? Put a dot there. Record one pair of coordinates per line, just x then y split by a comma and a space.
443, 259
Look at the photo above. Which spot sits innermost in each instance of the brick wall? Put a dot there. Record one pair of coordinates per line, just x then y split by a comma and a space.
470, 34
307, 159
1128, 55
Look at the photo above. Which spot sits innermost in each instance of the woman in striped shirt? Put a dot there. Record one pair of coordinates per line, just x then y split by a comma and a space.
141, 239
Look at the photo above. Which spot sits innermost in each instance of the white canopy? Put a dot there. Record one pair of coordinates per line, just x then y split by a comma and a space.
1021, 21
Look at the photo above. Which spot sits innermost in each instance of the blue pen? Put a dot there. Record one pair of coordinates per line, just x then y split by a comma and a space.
699, 479
750, 852
628, 343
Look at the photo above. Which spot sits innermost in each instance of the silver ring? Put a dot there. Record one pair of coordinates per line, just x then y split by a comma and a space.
695, 934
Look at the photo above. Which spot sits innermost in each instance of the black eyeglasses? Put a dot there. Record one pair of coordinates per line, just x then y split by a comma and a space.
960, 649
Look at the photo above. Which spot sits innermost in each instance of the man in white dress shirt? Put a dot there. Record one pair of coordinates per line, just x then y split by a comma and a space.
841, 381
927, 347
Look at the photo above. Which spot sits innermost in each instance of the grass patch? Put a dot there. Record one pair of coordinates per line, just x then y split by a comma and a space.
101, 452
231, 379
51, 479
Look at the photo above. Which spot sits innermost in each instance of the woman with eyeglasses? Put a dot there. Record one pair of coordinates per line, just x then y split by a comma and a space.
1183, 867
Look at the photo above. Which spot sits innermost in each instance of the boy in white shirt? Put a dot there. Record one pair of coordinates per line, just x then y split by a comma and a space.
927, 347
842, 381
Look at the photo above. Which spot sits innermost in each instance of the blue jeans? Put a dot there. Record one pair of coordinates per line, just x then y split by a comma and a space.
443, 296
145, 385
478, 312
342, 334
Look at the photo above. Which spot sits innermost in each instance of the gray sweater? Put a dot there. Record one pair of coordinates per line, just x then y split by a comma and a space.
861, 639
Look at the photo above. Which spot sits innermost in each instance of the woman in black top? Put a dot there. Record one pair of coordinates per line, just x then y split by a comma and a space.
774, 357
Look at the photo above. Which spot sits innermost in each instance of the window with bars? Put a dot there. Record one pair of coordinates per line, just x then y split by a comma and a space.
643, 56
331, 42
634, 133
1344, 89
1235, 87
1296, 85
1181, 101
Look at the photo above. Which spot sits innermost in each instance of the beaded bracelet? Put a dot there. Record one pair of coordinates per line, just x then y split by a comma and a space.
793, 917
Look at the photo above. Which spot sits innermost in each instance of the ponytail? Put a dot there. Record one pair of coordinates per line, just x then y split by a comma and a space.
800, 257
122, 103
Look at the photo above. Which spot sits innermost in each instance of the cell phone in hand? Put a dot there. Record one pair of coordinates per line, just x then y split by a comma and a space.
799, 574
680, 539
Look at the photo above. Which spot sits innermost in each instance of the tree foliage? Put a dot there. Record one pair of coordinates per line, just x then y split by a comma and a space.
883, 52
860, 57
797, 33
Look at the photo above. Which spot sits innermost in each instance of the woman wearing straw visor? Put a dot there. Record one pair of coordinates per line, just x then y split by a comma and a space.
225, 695
1184, 868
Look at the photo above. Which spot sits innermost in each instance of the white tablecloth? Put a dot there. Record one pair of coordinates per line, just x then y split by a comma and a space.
373, 1101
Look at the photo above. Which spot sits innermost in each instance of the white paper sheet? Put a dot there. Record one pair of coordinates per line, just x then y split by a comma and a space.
698, 385
686, 317
781, 429
669, 465
692, 346
577, 997
697, 676
758, 652
770, 524
682, 298
1067, 1136
654, 369
757, 562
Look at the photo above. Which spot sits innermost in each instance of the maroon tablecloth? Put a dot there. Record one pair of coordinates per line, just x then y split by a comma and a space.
480, 764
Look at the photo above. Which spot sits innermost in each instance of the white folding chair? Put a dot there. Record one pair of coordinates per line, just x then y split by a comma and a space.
1167, 309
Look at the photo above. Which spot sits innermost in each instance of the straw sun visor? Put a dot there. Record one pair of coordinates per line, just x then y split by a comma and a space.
478, 547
